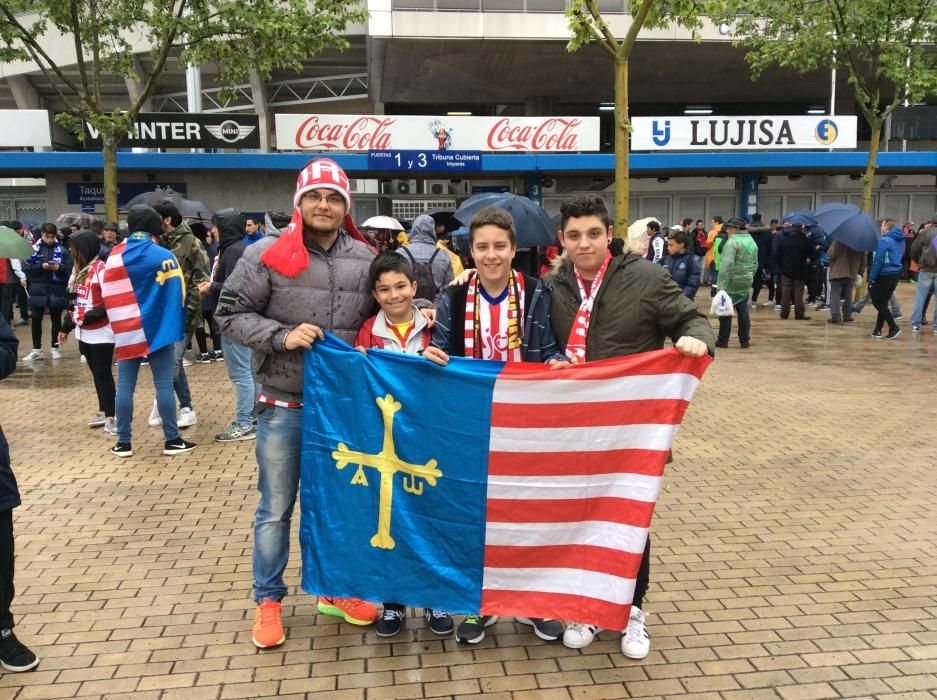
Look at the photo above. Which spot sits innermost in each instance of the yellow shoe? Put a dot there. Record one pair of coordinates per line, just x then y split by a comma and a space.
353, 610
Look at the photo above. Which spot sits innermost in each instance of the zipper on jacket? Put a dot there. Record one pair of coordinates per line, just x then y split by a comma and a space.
328, 258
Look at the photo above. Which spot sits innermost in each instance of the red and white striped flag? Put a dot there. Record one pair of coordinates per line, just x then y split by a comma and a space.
575, 464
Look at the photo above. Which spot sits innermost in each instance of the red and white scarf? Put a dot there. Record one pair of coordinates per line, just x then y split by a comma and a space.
494, 331
576, 345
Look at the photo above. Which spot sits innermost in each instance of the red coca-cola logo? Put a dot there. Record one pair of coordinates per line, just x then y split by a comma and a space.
548, 135
363, 134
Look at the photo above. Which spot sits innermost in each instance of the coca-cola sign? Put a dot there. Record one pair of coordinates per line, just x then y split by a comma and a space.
369, 132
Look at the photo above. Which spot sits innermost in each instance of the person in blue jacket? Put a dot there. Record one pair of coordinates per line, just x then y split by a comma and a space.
883, 276
681, 264
47, 273
14, 655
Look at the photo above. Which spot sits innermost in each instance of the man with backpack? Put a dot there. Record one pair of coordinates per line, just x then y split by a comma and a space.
432, 267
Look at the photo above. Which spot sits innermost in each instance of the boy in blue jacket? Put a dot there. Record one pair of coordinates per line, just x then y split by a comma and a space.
883, 276
682, 266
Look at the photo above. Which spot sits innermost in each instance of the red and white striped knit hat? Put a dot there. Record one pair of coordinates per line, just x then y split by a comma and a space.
288, 256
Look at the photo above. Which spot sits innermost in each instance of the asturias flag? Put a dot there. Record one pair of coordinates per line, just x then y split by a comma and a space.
144, 293
505, 489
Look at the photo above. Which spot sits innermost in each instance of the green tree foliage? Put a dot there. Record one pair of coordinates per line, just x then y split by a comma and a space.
884, 47
587, 24
235, 35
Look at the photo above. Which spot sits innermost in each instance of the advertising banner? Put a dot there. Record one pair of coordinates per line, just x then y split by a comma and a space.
187, 130
92, 193
25, 128
357, 132
766, 133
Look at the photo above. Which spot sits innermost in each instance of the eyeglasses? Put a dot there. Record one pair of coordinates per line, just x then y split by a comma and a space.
333, 199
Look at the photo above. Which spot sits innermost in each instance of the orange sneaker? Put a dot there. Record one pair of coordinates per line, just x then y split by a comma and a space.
268, 625
357, 612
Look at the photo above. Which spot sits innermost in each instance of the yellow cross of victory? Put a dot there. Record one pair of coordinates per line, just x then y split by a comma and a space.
387, 464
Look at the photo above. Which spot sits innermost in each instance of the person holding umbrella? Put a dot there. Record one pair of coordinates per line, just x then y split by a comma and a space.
845, 264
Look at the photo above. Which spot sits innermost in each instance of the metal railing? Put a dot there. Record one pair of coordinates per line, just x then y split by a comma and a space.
331, 88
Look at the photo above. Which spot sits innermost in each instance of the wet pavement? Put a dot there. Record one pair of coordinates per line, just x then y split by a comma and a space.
793, 547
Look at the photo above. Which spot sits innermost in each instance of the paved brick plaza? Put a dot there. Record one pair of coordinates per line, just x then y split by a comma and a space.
794, 547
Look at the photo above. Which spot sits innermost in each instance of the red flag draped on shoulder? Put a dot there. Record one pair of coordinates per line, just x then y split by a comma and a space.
288, 256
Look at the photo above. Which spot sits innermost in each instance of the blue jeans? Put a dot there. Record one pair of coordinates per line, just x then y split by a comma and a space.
926, 284
279, 443
238, 363
180, 383
161, 363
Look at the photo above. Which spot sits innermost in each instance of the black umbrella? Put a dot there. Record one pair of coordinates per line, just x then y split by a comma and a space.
79, 218
445, 217
189, 208
533, 224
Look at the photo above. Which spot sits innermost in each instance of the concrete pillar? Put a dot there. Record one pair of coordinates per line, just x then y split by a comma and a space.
27, 97
259, 96
135, 86
539, 106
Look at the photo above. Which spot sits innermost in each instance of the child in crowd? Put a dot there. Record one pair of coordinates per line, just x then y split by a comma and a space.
681, 264
398, 327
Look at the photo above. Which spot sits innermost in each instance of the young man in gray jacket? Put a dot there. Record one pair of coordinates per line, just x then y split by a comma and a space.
285, 291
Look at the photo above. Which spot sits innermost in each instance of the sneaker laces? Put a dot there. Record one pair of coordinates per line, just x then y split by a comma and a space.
635, 631
582, 628
436, 613
473, 619
392, 614
269, 613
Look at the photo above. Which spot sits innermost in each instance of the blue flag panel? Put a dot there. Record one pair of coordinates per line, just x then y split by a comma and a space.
394, 476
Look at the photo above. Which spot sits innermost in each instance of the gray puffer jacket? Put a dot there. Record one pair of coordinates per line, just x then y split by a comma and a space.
257, 307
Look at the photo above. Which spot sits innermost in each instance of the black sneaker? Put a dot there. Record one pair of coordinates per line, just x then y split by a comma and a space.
391, 620
440, 622
122, 449
892, 334
217, 355
178, 446
548, 630
14, 655
877, 335
203, 359
721, 344
472, 629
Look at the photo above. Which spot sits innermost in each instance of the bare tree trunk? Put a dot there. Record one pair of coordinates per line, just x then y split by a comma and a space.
868, 180
109, 150
622, 135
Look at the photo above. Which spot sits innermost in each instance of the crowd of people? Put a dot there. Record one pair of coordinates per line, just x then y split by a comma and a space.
263, 291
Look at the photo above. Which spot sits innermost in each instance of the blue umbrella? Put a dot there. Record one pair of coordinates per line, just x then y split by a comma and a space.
800, 218
533, 225
849, 225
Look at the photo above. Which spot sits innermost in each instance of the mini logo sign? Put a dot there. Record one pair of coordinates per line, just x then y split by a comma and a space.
827, 131
230, 131
186, 130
